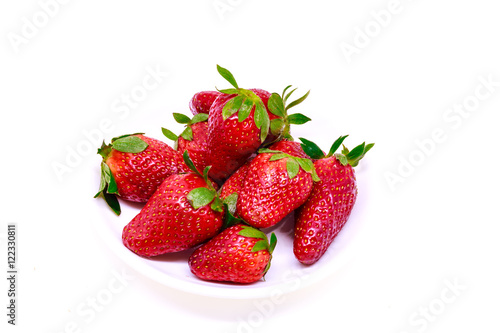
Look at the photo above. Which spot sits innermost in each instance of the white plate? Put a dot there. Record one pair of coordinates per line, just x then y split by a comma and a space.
285, 275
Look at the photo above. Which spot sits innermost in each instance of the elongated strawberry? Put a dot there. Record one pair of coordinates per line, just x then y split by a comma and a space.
193, 139
184, 212
134, 166
235, 135
275, 185
239, 254
331, 201
202, 101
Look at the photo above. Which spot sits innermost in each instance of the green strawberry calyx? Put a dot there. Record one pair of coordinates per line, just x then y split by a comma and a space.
278, 105
345, 157
262, 244
243, 104
202, 196
293, 163
187, 134
108, 188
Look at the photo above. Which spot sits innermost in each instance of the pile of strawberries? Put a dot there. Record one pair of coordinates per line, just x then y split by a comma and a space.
234, 170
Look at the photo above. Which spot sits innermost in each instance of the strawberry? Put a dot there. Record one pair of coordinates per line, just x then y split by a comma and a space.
331, 201
239, 254
193, 139
184, 212
240, 120
202, 101
275, 185
290, 147
134, 166
234, 183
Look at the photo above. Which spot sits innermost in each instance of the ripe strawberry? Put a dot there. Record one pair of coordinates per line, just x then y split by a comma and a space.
239, 254
240, 121
193, 139
134, 166
331, 201
234, 183
290, 147
184, 212
202, 101
275, 185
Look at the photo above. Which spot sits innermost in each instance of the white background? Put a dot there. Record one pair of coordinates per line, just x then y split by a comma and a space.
436, 226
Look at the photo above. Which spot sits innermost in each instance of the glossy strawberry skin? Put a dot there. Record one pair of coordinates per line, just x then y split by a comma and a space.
202, 101
230, 142
326, 211
138, 175
228, 257
292, 148
234, 183
268, 193
168, 223
197, 148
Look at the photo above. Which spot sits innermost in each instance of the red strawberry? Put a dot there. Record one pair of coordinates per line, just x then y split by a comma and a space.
193, 139
240, 121
234, 183
239, 254
134, 166
290, 147
202, 101
184, 212
331, 201
275, 185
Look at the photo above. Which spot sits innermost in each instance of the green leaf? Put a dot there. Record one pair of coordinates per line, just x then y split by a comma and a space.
298, 119
200, 197
228, 76
104, 150
292, 168
245, 109
110, 179
217, 205
285, 99
356, 152
187, 134
231, 201
276, 106
267, 150
124, 136
130, 144
261, 245
276, 157
311, 149
181, 118
205, 176
298, 101
228, 91
272, 243
260, 113
305, 163
252, 232
277, 126
169, 134
190, 163
112, 202
342, 158
108, 188
200, 117
284, 91
336, 145
264, 130
230, 107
